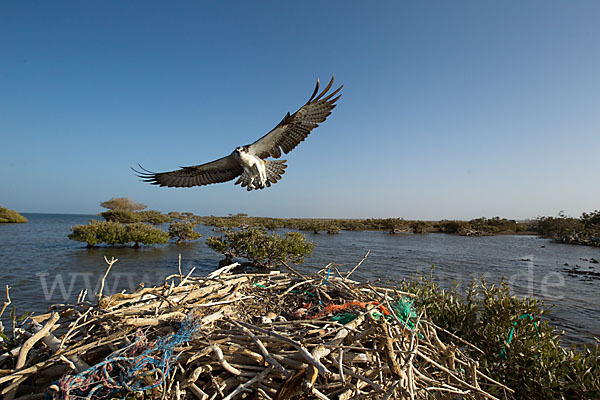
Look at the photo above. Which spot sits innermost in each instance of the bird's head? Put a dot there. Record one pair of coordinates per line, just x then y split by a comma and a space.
241, 149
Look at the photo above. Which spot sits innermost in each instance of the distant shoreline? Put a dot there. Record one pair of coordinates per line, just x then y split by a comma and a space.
560, 229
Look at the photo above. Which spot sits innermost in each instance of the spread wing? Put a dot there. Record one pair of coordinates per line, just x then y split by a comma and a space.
221, 170
294, 128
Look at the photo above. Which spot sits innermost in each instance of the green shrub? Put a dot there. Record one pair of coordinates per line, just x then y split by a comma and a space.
96, 232
221, 222
85, 234
11, 216
145, 234
534, 364
459, 227
114, 233
122, 216
494, 225
521, 228
584, 230
174, 215
315, 226
128, 217
260, 248
333, 230
268, 223
555, 227
591, 220
183, 230
419, 226
394, 225
350, 224
153, 217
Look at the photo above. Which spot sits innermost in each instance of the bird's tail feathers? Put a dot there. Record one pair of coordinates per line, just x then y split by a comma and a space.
274, 169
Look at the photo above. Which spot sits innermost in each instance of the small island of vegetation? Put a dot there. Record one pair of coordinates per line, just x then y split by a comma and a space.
10, 216
126, 223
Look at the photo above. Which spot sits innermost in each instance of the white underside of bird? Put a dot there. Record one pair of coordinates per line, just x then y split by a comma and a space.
255, 170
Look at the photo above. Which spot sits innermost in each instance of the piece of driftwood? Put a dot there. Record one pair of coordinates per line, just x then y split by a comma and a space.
275, 335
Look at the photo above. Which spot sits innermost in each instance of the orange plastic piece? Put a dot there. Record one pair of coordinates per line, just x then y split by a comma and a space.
340, 307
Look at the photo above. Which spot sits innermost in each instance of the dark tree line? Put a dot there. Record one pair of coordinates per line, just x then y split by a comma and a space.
583, 230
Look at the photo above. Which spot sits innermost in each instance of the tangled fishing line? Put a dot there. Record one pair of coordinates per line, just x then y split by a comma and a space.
137, 367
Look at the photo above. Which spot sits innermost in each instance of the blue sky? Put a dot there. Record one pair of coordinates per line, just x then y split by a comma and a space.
450, 109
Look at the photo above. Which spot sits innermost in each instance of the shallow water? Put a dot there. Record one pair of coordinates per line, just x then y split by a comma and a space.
44, 267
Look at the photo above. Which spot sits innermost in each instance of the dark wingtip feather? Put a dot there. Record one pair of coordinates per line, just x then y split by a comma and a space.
330, 95
325, 90
143, 172
334, 100
146, 175
314, 93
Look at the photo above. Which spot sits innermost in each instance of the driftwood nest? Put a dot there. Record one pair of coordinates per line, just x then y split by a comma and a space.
277, 335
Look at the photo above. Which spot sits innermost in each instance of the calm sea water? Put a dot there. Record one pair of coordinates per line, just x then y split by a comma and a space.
44, 267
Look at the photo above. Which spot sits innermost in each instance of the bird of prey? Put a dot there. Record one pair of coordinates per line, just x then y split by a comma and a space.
249, 162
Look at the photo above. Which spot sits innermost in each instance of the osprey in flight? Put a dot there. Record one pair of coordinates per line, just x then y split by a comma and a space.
248, 162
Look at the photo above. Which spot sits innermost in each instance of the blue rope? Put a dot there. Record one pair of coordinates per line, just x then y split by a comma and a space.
326, 279
123, 372
324, 282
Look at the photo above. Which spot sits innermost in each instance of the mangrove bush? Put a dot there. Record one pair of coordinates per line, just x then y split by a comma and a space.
183, 229
261, 248
114, 233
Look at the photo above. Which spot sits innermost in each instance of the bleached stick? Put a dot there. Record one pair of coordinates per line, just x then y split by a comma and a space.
262, 348
216, 273
186, 277
179, 268
110, 264
7, 302
29, 343
358, 265
244, 386
320, 367
34, 339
